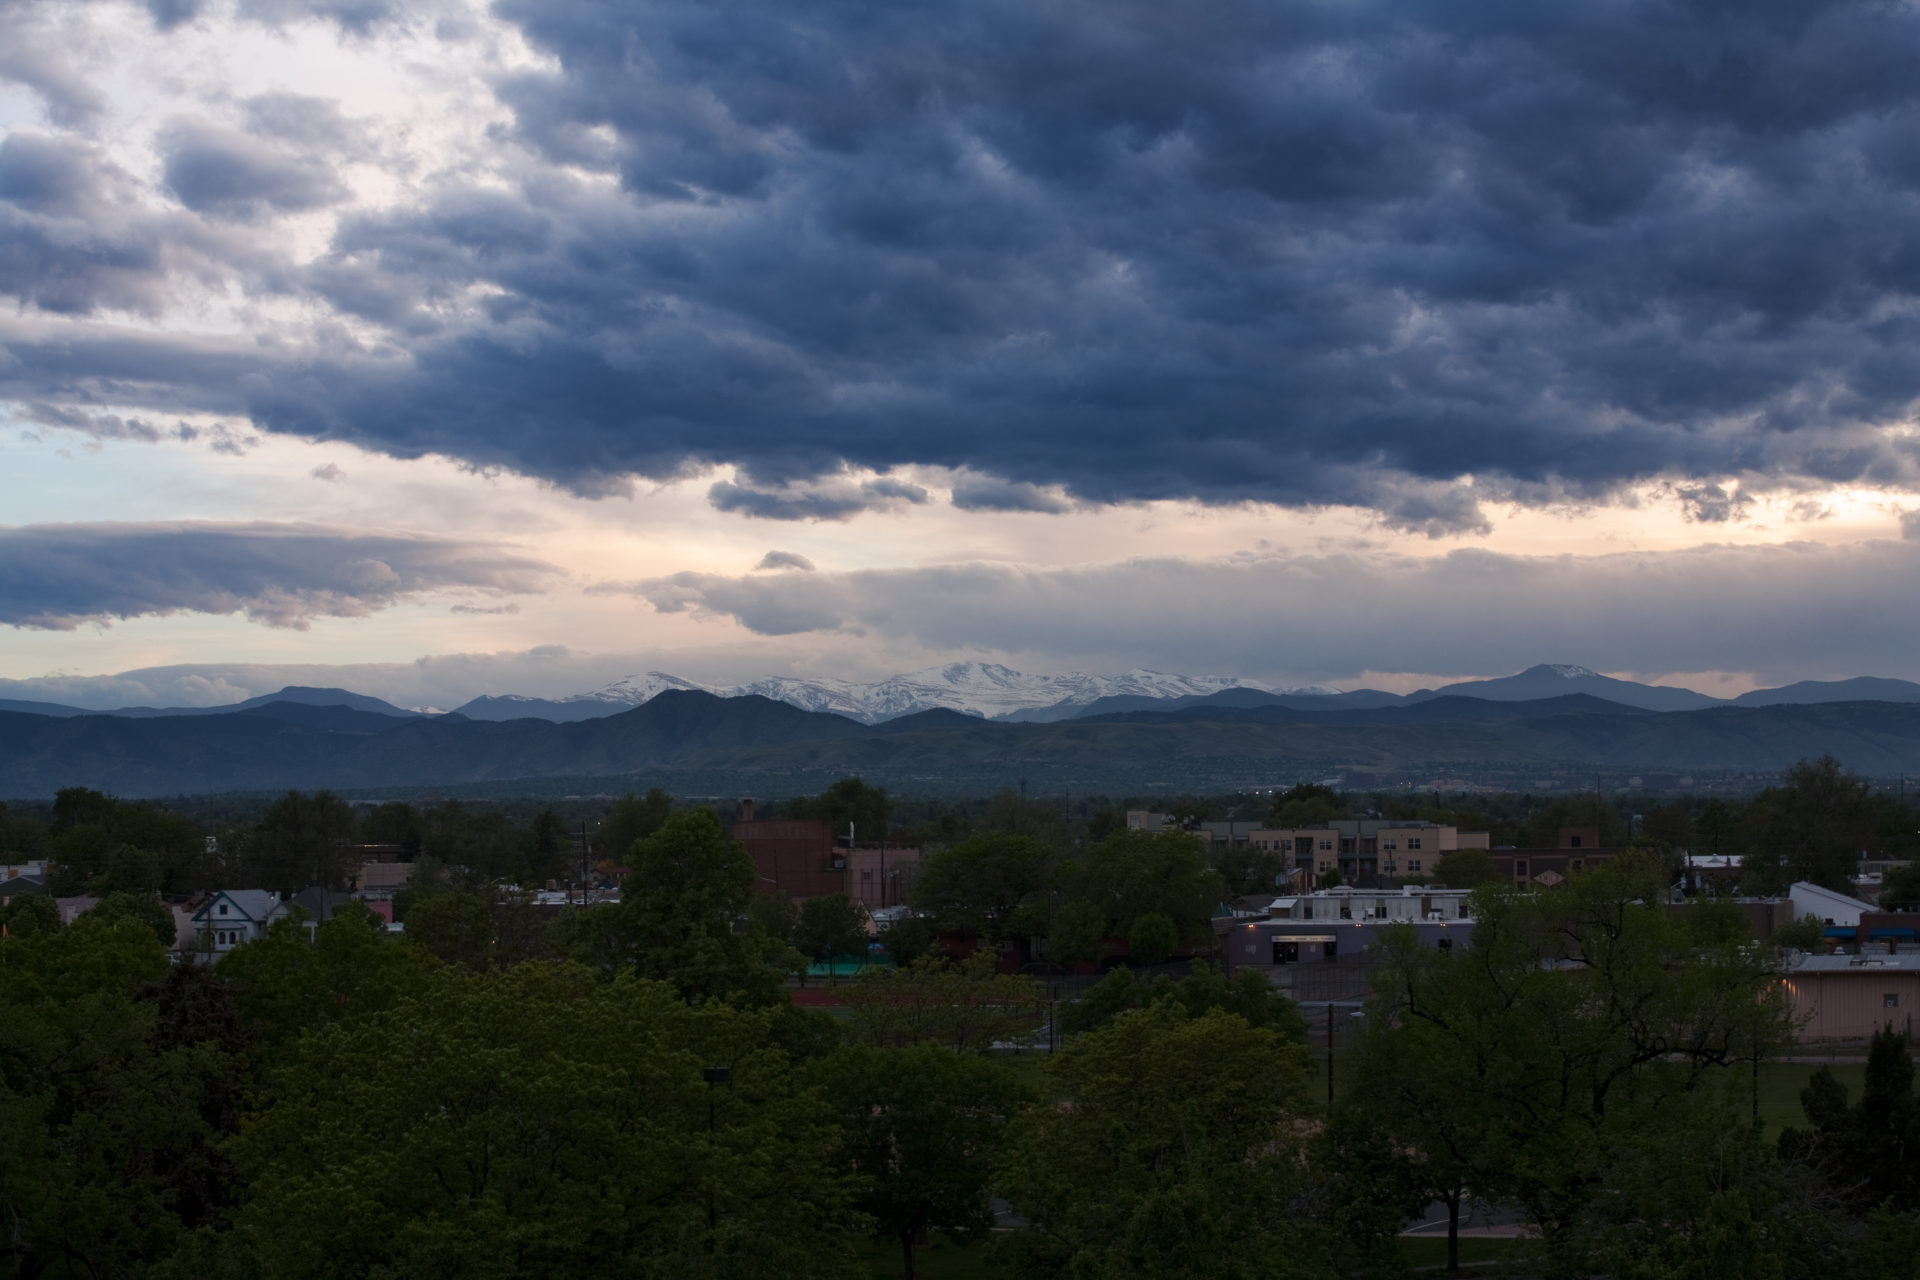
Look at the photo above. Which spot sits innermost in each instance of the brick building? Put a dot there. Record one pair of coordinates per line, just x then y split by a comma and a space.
793, 856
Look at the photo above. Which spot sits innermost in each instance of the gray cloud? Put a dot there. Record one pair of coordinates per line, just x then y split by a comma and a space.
784, 560
1785, 611
58, 576
1419, 257
225, 173
990, 493
833, 498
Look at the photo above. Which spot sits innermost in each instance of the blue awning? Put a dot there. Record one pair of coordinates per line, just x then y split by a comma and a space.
1892, 933
1848, 932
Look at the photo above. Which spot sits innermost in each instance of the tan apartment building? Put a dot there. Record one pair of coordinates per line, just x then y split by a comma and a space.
1361, 848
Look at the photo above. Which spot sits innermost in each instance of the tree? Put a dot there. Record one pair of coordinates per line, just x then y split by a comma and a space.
1466, 869
1152, 938
831, 925
1900, 889
1547, 1061
108, 1124
1176, 1152
290, 981
145, 909
1808, 933
541, 1121
1247, 994
1308, 804
850, 801
630, 820
923, 1127
1813, 828
688, 885
302, 840
395, 822
1134, 874
455, 926
976, 887
1868, 1153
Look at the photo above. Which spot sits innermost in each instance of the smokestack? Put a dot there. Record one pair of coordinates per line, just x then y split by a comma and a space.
746, 811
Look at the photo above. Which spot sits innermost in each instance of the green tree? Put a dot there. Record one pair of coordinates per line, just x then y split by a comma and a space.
688, 886
108, 1139
1865, 1152
1813, 828
128, 870
923, 1128
302, 840
1178, 1151
1466, 869
632, 819
537, 1121
1808, 933
1307, 804
1544, 1062
1152, 938
977, 886
1247, 994
1900, 888
455, 926
145, 909
395, 822
831, 925
1134, 874
294, 979
850, 801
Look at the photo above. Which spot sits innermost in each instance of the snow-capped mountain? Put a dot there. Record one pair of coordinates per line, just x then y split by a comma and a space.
977, 688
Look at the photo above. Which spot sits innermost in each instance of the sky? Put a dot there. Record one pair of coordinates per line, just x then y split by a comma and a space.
447, 348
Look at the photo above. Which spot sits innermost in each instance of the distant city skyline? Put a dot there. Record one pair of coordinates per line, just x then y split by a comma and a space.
435, 339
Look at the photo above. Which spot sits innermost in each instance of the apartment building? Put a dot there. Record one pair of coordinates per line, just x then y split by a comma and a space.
1363, 848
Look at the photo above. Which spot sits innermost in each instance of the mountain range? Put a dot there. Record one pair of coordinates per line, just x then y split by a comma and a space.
695, 742
993, 692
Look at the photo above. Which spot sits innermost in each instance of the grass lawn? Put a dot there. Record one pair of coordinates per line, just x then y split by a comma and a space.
1425, 1251
941, 1260
1781, 1083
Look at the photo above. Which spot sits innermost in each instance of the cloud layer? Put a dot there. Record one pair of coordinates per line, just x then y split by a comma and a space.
1397, 253
1783, 612
59, 576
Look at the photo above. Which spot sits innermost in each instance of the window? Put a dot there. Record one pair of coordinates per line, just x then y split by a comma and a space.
1573, 842
1326, 844
1413, 842
1520, 869
1393, 844
1413, 864
223, 908
1891, 1000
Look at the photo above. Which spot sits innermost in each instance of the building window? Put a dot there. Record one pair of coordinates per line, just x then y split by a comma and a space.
1573, 842
1520, 869
1891, 1000
1413, 842
223, 908
1413, 864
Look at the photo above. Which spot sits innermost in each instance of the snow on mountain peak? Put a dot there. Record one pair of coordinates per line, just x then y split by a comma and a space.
1566, 671
979, 688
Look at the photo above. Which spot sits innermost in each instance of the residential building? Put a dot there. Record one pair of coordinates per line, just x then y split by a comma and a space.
1146, 820
1363, 849
233, 916
1576, 849
383, 879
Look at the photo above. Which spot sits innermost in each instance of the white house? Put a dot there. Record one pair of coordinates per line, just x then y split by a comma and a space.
234, 916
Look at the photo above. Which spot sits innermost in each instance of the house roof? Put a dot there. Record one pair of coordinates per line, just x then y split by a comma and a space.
1865, 965
1811, 899
257, 905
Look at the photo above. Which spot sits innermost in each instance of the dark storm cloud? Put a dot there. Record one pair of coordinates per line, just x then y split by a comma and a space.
784, 560
58, 576
225, 173
1761, 609
832, 499
1360, 252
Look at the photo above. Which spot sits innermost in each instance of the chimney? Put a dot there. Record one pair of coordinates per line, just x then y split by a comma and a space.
746, 811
